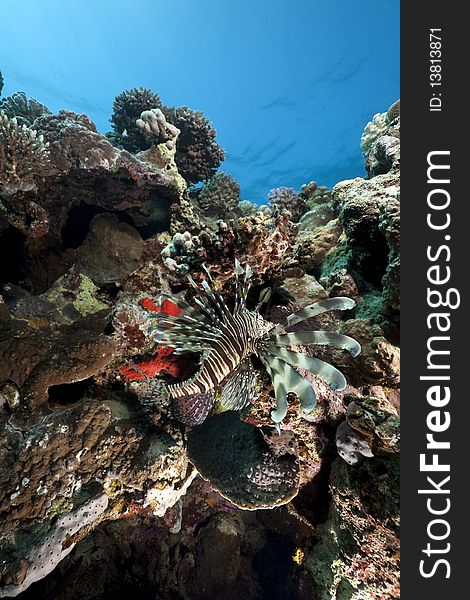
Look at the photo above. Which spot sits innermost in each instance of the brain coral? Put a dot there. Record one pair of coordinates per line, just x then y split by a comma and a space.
220, 195
197, 154
127, 108
23, 153
25, 109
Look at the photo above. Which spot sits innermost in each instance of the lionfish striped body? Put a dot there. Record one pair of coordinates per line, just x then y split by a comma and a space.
227, 339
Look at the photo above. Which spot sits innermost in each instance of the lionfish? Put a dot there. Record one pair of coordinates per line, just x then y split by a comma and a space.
227, 339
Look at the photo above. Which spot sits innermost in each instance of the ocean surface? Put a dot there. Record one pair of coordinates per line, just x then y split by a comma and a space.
289, 85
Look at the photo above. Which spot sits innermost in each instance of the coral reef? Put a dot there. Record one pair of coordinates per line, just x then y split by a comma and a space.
277, 479
23, 154
24, 109
127, 109
373, 130
369, 211
219, 197
197, 155
247, 208
315, 194
287, 199
356, 554
381, 142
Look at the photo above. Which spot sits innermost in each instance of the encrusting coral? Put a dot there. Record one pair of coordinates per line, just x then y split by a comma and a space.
23, 155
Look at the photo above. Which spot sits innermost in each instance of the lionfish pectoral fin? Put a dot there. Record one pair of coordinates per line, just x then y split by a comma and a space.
320, 338
238, 268
193, 410
334, 378
276, 370
294, 383
317, 308
239, 388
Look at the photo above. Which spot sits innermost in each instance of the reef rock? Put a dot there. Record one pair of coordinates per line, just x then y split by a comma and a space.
312, 246
37, 359
379, 360
111, 251
48, 465
84, 167
355, 554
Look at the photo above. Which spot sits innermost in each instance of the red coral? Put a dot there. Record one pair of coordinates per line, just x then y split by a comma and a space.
163, 360
167, 307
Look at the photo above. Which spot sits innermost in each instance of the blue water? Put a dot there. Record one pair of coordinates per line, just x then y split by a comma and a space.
288, 84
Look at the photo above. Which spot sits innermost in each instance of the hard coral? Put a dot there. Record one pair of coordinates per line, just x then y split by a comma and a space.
249, 471
23, 155
284, 198
268, 242
127, 108
219, 196
25, 109
197, 154
373, 130
156, 129
394, 111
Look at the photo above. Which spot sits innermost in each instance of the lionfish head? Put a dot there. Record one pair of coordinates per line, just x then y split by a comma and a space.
227, 338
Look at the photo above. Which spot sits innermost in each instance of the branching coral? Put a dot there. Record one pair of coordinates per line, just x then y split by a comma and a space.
247, 208
127, 109
198, 155
23, 154
25, 109
284, 198
220, 195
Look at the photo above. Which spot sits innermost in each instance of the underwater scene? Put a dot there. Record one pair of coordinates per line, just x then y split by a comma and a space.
199, 300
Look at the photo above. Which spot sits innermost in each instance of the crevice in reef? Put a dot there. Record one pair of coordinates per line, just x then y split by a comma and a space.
273, 566
77, 226
69, 393
372, 265
11, 250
